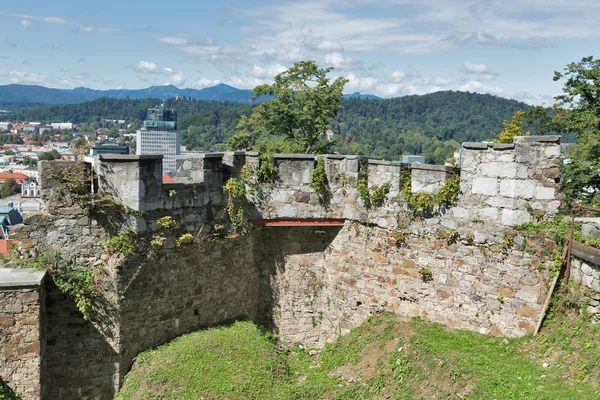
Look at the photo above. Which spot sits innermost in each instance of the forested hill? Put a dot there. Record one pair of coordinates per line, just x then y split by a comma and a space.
432, 124
420, 124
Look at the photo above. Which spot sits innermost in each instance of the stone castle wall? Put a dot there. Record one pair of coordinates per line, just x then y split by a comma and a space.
23, 336
308, 284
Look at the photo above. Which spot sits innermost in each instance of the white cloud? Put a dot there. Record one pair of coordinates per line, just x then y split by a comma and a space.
26, 23
476, 86
359, 84
146, 67
336, 59
397, 76
175, 78
203, 82
71, 83
24, 77
174, 40
471, 68
88, 29
267, 72
54, 20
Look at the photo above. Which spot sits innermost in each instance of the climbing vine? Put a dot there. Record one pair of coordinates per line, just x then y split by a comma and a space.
374, 197
236, 198
76, 179
73, 279
424, 204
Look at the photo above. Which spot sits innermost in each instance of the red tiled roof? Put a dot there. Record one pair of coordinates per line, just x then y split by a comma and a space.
17, 176
169, 178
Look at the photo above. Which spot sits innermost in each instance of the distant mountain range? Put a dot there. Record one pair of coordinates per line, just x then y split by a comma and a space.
43, 95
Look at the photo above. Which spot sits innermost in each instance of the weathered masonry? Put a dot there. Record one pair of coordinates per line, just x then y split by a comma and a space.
450, 264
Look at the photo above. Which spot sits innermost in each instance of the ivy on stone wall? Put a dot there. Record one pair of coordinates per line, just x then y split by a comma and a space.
71, 278
376, 195
75, 185
319, 182
423, 204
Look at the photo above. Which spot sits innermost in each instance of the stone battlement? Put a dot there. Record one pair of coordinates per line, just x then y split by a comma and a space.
505, 184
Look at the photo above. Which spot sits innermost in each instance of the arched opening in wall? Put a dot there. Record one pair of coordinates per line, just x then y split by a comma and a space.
26, 193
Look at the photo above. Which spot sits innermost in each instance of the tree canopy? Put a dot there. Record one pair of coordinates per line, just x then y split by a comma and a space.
578, 110
305, 101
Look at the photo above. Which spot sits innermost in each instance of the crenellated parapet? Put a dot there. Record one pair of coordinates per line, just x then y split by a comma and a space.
504, 184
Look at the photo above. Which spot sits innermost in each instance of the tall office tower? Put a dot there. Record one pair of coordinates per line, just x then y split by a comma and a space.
160, 136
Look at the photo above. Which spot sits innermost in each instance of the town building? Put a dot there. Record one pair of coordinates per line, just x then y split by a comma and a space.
160, 136
17, 176
31, 189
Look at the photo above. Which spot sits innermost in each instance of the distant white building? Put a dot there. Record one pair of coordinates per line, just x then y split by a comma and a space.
62, 125
160, 136
5, 126
31, 189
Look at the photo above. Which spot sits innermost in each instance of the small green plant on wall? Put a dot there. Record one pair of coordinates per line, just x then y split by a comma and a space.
425, 204
318, 179
426, 275
374, 197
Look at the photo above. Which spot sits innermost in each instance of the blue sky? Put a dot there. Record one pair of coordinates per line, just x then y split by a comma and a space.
385, 47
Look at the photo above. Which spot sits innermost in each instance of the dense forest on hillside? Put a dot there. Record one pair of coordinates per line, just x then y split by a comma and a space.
432, 124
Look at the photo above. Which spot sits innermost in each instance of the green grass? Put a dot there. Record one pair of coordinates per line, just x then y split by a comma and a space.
384, 358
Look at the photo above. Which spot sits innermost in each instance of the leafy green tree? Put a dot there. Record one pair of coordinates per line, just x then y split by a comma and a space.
578, 111
29, 161
512, 128
9, 187
305, 101
49, 155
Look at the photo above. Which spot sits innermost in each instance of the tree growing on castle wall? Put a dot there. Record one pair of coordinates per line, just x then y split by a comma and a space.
512, 128
296, 119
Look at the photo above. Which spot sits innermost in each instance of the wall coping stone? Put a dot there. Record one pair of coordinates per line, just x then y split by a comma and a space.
129, 158
239, 153
383, 162
200, 155
433, 167
295, 156
538, 139
11, 278
503, 146
475, 145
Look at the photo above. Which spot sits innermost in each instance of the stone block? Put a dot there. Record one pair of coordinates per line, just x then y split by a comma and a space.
517, 188
485, 186
499, 169
515, 217
488, 214
544, 193
460, 213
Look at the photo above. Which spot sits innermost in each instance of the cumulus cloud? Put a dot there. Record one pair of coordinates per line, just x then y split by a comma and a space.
471, 68
476, 86
267, 72
23, 77
397, 76
146, 67
149, 67
336, 59
204, 82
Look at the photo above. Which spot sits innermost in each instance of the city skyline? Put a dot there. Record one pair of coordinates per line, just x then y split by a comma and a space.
387, 48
